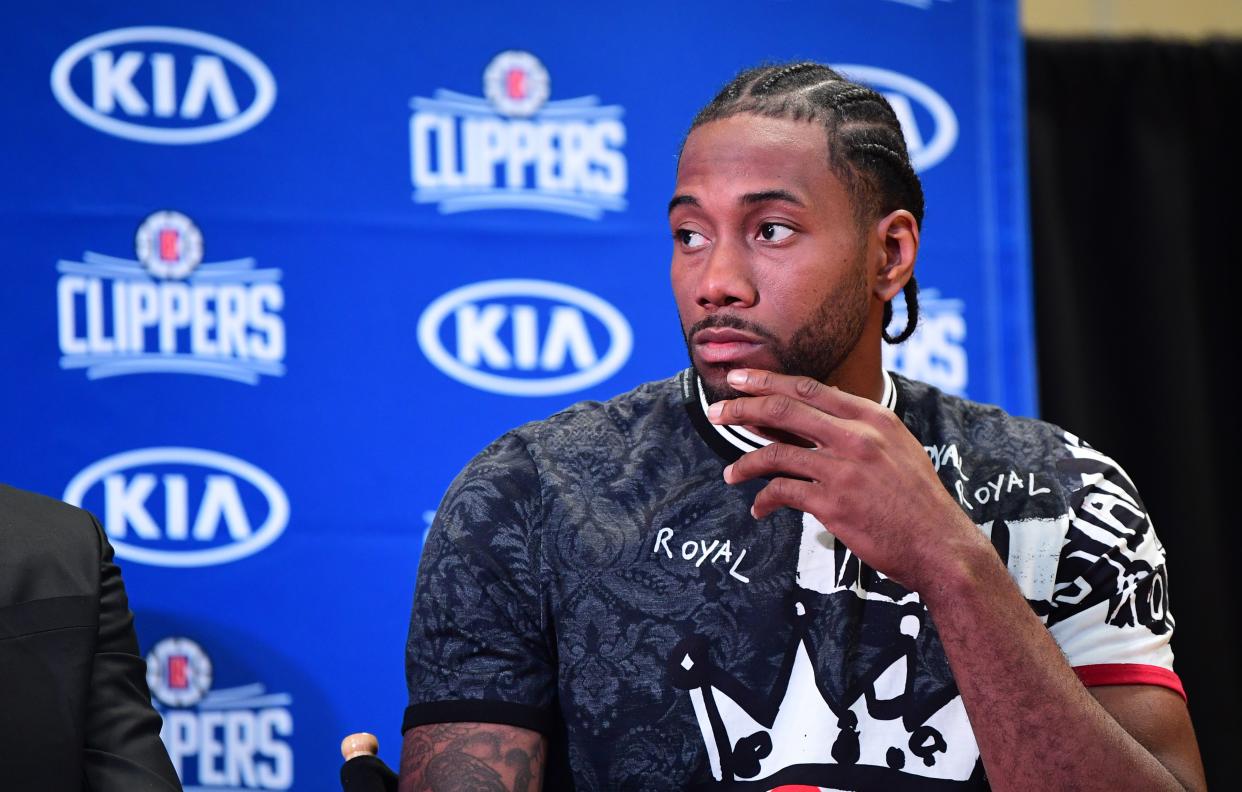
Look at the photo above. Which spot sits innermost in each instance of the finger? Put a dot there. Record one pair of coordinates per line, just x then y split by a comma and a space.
778, 458
777, 411
826, 398
781, 492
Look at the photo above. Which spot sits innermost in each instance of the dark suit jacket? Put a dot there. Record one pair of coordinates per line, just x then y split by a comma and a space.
75, 710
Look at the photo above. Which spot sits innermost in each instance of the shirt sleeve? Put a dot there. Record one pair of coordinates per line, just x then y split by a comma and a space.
479, 649
122, 751
1110, 604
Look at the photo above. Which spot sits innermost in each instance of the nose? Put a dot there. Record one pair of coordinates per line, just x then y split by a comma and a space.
726, 279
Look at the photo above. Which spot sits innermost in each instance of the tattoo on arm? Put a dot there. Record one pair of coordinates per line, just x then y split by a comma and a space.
472, 757
461, 772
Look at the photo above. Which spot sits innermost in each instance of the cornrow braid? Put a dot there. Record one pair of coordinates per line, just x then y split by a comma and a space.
911, 292
773, 80
852, 95
866, 148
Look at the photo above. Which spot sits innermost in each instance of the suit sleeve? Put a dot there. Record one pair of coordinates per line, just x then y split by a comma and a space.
478, 647
123, 751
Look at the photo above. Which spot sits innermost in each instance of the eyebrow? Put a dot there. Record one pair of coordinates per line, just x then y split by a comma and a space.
747, 199
682, 200
772, 195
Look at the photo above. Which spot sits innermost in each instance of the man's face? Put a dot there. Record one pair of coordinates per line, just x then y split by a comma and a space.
770, 268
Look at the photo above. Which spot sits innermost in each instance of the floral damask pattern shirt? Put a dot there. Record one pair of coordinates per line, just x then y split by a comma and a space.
592, 577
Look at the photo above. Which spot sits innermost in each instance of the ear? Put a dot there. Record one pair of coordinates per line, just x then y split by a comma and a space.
897, 236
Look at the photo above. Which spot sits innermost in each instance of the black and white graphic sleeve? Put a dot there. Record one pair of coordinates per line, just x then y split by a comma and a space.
478, 647
1110, 611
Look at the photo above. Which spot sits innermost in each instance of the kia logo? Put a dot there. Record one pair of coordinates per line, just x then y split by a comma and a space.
182, 507
155, 85
524, 337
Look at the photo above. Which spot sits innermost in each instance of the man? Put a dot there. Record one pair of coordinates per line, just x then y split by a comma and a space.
787, 568
75, 711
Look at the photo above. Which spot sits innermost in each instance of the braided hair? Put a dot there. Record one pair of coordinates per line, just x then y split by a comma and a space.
866, 149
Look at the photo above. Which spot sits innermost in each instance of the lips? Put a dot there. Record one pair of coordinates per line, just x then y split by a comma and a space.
725, 345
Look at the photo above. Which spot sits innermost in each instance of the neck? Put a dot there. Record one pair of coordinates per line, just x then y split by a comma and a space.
862, 371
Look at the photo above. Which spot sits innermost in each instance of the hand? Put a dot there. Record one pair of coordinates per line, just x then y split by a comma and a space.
865, 477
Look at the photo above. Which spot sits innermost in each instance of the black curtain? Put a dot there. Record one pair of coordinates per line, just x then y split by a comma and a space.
1135, 228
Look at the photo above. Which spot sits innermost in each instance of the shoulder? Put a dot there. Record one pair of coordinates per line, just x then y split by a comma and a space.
985, 443
516, 467
986, 429
627, 413
52, 549
25, 513
929, 410
593, 428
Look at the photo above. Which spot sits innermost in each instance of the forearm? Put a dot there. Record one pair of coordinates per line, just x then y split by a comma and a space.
1035, 723
472, 757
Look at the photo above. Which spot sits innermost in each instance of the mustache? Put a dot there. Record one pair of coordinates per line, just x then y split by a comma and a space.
732, 323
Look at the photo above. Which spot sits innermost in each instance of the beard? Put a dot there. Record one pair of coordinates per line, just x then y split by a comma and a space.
814, 350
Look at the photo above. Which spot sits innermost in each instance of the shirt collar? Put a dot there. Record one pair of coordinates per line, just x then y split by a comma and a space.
733, 441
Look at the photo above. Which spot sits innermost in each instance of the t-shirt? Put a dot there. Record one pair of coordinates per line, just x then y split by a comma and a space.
591, 576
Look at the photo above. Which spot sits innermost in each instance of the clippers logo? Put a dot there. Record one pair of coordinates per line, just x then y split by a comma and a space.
182, 507
516, 83
514, 149
234, 738
936, 353
168, 312
163, 85
524, 337
169, 245
178, 672
927, 120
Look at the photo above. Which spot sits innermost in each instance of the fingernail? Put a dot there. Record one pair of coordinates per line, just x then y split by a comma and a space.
715, 410
737, 377
752, 512
728, 470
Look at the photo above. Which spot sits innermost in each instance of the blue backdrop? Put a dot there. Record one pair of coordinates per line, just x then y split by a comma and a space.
274, 275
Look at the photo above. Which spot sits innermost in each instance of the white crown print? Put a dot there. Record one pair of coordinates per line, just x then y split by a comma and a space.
881, 731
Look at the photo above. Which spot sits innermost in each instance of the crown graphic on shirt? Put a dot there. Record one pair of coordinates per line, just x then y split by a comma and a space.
879, 730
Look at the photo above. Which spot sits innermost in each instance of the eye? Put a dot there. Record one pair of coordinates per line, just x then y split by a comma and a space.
690, 239
774, 232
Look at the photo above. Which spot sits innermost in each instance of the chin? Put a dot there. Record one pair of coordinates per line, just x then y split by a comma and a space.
712, 376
